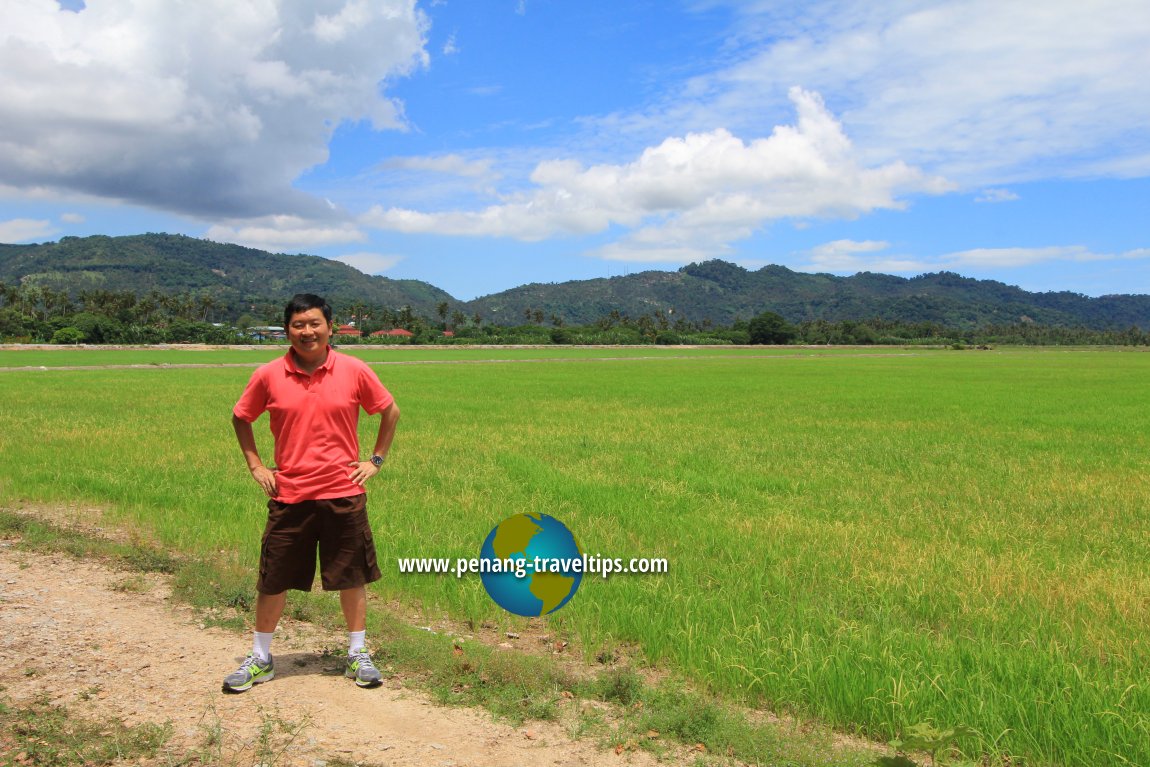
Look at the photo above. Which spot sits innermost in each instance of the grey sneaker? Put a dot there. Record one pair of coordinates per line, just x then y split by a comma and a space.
362, 670
252, 671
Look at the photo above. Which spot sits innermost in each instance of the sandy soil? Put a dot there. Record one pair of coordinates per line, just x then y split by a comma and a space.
114, 644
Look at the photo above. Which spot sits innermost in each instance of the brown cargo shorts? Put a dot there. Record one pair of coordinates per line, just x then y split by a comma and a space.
337, 526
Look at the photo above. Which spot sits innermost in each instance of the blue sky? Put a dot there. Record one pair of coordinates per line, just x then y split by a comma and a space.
483, 145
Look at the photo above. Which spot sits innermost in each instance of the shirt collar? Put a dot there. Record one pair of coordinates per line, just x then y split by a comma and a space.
289, 362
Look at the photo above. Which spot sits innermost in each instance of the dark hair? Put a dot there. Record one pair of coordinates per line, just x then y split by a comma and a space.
302, 302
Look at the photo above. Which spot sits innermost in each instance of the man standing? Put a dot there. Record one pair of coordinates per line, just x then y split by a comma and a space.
313, 395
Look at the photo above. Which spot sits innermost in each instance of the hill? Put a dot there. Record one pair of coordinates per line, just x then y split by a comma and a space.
722, 292
238, 278
243, 279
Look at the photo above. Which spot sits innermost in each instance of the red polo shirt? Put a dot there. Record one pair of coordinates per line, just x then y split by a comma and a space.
315, 421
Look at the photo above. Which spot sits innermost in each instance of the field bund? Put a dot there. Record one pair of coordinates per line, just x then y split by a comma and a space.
875, 538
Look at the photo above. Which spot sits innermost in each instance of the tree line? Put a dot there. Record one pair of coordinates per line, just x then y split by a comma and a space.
37, 314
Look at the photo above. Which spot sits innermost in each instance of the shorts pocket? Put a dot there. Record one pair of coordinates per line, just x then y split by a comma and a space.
370, 564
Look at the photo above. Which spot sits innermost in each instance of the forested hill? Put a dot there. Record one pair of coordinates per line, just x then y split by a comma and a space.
722, 292
237, 278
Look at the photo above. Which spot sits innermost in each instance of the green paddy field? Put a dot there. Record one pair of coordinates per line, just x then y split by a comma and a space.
873, 538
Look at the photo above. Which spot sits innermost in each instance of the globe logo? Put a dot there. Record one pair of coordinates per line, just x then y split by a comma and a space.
531, 564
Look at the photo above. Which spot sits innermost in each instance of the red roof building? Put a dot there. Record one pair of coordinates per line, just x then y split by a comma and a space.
348, 330
399, 332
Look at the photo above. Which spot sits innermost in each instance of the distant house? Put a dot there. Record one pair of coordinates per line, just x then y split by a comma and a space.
398, 332
348, 330
267, 332
449, 334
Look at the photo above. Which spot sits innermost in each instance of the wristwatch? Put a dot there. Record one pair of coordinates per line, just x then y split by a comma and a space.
377, 460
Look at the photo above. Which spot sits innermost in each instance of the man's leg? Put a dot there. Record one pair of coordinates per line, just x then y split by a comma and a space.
258, 666
269, 608
359, 664
354, 604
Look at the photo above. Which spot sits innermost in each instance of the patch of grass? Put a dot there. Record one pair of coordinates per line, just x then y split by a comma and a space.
131, 584
620, 685
36, 535
671, 715
149, 560
40, 733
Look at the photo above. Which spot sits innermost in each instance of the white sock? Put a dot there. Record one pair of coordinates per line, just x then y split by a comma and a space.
356, 641
262, 644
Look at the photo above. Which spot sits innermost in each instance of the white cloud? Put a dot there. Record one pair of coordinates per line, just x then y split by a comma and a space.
1012, 257
843, 257
72, 218
450, 48
283, 234
370, 263
982, 91
996, 195
209, 108
689, 197
849, 257
25, 230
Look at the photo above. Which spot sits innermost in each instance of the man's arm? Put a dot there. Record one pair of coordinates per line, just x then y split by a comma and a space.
264, 476
365, 470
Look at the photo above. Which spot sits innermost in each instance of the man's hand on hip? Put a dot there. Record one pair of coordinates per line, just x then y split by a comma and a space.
363, 471
266, 478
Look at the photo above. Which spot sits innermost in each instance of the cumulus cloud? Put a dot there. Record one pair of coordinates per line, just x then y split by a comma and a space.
210, 108
370, 263
72, 218
286, 233
982, 91
690, 196
25, 230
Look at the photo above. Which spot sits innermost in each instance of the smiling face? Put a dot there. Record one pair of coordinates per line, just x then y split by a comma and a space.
309, 334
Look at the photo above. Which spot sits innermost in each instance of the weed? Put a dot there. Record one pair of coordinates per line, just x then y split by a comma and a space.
276, 736
926, 737
89, 692
620, 685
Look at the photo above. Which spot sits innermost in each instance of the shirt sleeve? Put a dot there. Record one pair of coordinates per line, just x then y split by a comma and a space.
254, 401
373, 396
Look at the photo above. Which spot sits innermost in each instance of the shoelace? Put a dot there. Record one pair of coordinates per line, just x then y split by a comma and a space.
363, 659
251, 661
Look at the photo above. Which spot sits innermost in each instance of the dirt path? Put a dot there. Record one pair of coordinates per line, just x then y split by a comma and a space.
107, 643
